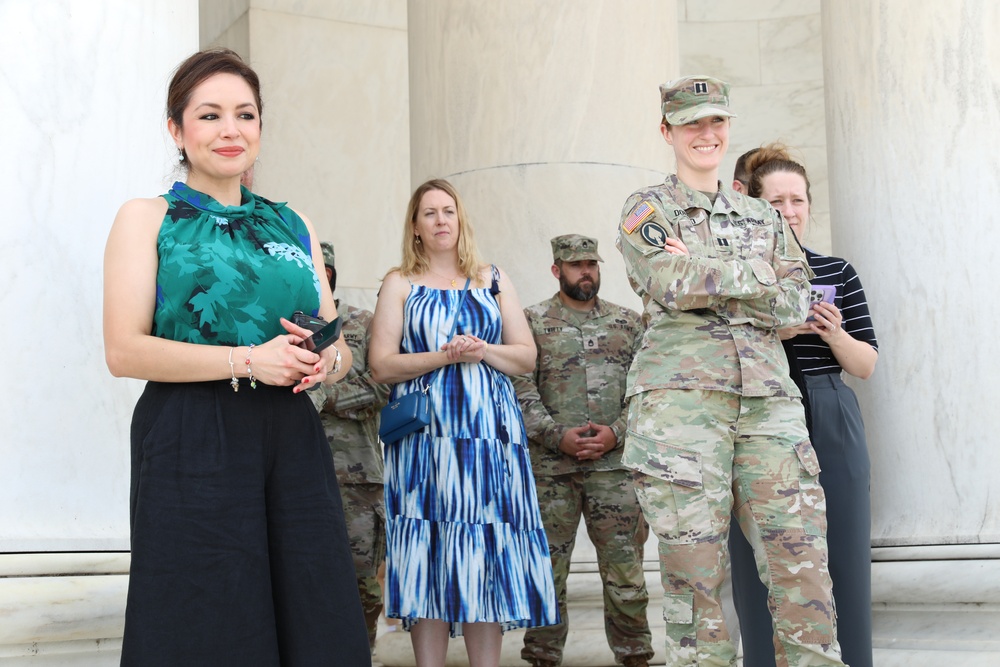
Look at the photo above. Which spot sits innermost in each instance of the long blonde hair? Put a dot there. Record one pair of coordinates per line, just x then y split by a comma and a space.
415, 256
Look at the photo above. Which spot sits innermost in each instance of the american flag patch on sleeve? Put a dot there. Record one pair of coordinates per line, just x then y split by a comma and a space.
638, 214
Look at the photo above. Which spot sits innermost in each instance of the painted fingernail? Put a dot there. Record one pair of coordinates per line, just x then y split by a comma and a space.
305, 380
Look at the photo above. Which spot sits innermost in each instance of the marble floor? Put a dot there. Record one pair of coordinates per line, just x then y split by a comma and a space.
393, 649
107, 653
60, 616
587, 645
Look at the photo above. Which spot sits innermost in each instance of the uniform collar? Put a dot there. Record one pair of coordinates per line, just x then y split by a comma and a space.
559, 311
728, 202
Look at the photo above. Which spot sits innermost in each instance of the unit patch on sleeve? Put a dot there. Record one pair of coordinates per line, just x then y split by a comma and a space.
638, 214
654, 233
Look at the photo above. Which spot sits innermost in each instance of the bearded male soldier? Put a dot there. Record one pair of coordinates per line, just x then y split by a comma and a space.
574, 410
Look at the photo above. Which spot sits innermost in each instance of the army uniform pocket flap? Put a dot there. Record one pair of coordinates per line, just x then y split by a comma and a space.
763, 272
807, 457
678, 608
658, 459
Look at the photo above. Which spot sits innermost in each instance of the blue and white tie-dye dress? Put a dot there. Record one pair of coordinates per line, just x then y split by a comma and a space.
465, 541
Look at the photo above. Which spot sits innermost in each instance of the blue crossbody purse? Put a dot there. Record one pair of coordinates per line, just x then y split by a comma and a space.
412, 412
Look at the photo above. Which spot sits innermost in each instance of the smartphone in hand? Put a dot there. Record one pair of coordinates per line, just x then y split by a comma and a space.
324, 334
821, 294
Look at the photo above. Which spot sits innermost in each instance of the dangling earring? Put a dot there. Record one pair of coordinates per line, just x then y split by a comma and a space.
418, 240
180, 155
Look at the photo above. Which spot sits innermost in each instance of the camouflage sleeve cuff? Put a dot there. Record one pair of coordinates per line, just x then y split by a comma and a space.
555, 437
319, 396
619, 430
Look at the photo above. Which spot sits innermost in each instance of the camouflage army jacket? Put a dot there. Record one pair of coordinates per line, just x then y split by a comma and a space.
350, 408
712, 316
580, 375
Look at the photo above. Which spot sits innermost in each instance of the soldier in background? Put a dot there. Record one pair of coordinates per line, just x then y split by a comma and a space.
350, 414
574, 411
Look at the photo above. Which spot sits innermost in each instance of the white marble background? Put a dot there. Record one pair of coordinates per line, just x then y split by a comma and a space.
545, 118
910, 88
82, 88
771, 51
915, 89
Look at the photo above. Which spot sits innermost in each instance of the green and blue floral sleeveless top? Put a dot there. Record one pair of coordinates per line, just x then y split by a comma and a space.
227, 273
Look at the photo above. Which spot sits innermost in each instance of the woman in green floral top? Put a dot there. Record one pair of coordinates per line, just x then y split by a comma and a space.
239, 550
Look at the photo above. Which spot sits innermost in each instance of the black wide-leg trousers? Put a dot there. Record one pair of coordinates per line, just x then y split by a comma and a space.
240, 554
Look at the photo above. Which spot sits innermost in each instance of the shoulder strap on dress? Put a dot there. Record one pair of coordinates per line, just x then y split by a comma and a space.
495, 284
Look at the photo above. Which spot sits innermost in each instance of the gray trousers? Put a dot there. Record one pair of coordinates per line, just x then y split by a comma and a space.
838, 437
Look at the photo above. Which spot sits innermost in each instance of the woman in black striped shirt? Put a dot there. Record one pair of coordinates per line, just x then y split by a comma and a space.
839, 337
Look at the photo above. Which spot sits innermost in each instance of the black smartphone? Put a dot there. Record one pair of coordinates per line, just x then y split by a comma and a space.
308, 321
324, 337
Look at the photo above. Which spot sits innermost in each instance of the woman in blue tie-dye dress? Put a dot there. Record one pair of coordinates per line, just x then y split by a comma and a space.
466, 550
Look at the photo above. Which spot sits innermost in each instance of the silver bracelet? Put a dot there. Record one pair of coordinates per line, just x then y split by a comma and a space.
337, 361
234, 383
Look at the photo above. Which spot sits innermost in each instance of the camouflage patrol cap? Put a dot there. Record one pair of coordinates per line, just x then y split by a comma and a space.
328, 255
573, 248
693, 97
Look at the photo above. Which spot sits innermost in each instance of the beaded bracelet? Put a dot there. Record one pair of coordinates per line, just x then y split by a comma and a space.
234, 383
253, 380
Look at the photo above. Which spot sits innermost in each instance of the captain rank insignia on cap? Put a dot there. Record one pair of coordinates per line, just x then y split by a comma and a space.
701, 87
638, 214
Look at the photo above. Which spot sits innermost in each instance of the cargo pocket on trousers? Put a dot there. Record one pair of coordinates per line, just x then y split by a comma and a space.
807, 457
812, 499
682, 632
678, 608
669, 489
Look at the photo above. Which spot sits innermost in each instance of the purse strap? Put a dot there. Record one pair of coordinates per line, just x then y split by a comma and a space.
458, 308
454, 328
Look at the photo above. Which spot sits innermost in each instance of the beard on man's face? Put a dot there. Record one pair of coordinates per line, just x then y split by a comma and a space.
583, 289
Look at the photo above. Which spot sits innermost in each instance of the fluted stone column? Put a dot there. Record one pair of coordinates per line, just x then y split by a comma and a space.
913, 115
545, 117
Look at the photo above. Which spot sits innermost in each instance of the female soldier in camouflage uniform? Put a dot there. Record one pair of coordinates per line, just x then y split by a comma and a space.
715, 423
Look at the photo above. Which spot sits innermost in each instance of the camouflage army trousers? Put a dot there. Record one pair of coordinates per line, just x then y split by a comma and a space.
607, 502
697, 457
364, 512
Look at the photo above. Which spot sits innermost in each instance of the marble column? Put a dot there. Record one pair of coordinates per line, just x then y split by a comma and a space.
772, 55
913, 116
545, 117
82, 93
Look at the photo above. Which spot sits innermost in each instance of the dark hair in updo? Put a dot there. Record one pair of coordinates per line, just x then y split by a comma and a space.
740, 172
771, 159
200, 66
